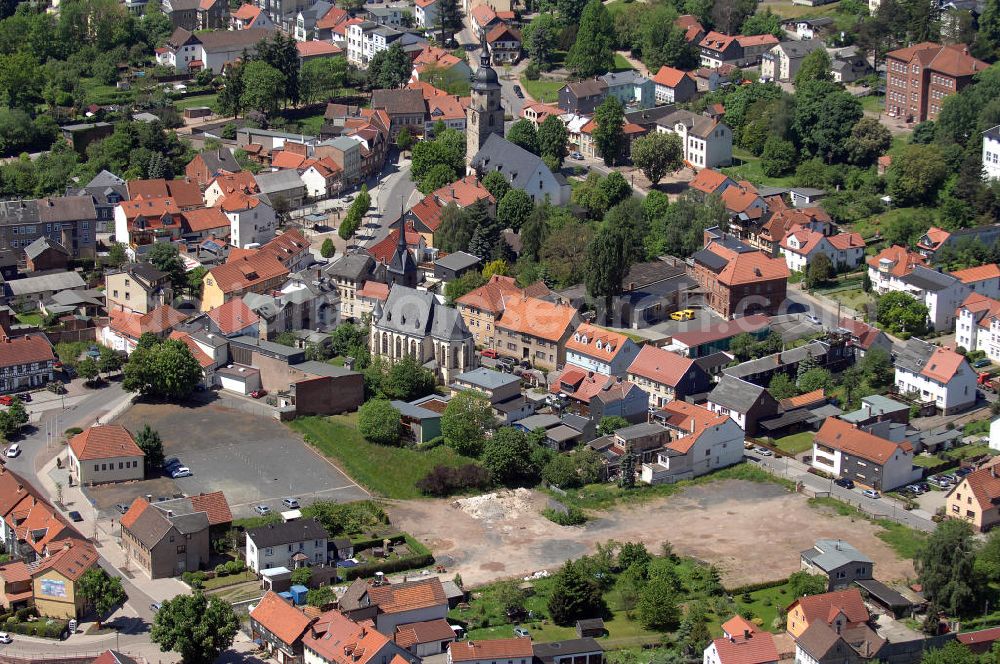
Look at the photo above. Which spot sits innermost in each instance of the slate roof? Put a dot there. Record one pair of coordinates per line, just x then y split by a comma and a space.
35, 249
928, 279
800, 49
457, 261
829, 555
47, 282
736, 394
487, 379
415, 313
288, 532
513, 161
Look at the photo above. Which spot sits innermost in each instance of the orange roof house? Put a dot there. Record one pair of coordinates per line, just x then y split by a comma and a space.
843, 608
596, 349
277, 618
710, 181
234, 318
750, 647
106, 453
895, 260
517, 650
974, 499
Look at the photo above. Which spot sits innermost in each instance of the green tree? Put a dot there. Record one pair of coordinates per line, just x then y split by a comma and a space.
782, 387
591, 53
657, 608
456, 228
280, 53
116, 255
301, 576
404, 139
988, 36
815, 67
626, 476
449, 21
379, 422
609, 134
552, 139
778, 157
954, 652
465, 422
803, 583
609, 424
508, 597
762, 23
407, 380
575, 595
524, 134
467, 283
561, 471
901, 312
87, 369
390, 68
327, 250
815, 379
514, 209
916, 175
658, 154
320, 597
945, 566
819, 271
507, 455
869, 140
496, 184
109, 362
197, 627
440, 175
101, 591
533, 232
263, 87
322, 77
539, 38
165, 369
824, 117
606, 265
988, 558
165, 257
149, 441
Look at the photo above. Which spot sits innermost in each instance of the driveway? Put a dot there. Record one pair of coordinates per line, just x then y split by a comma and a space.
253, 460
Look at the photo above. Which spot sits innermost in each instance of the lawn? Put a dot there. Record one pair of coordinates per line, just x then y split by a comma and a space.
622, 63
747, 167
853, 298
542, 90
927, 461
765, 605
197, 100
228, 580
873, 103
309, 125
788, 9
905, 541
391, 472
796, 443
33, 318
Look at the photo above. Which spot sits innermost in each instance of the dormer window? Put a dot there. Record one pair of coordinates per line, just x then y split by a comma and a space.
598, 345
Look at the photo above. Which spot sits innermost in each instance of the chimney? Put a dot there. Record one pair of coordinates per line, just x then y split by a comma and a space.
732, 639
746, 633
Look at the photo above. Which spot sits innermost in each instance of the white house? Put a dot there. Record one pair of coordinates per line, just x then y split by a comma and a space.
935, 374
748, 647
323, 178
602, 351
701, 441
707, 143
843, 450
782, 62
290, 544
251, 220
886, 268
977, 325
896, 269
991, 153
426, 13
801, 246
367, 38
981, 280
491, 651
995, 434
186, 51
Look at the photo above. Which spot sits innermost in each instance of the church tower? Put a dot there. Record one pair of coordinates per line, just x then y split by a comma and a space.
485, 114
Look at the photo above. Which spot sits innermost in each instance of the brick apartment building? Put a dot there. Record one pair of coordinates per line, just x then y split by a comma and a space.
739, 281
919, 77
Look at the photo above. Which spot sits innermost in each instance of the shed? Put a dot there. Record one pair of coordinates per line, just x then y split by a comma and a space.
590, 627
299, 593
889, 599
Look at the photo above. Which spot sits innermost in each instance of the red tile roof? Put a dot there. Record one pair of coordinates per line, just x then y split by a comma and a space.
104, 442
135, 510
185, 193
408, 596
660, 366
246, 272
384, 249
935, 237
233, 316
374, 290
284, 159
807, 399
845, 241
72, 560
708, 181
903, 260
985, 486
824, 607
315, 48
332, 18
840, 435
977, 273
738, 625
748, 267
203, 220
586, 339
942, 365
203, 359
984, 309
25, 350
280, 618
756, 40
492, 649
340, 640
953, 59
463, 192
423, 632
537, 318
669, 77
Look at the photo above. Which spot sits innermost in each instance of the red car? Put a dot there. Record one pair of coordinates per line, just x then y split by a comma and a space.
490, 353
6, 400
257, 394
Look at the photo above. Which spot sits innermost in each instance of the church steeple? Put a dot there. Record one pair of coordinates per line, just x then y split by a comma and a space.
402, 268
485, 114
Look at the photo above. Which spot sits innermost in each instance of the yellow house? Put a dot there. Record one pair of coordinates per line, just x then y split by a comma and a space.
253, 272
976, 499
840, 609
54, 579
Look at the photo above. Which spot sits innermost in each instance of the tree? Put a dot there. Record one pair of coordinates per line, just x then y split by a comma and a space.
322, 77
778, 157
497, 184
379, 422
497, 267
280, 53
945, 566
916, 175
824, 117
301, 576
657, 607
164, 369
552, 138
440, 175
405, 380
815, 379
101, 591
263, 87
116, 255
524, 134
819, 271
560, 471
507, 455
449, 21
327, 250
320, 597
729, 15
591, 53
953, 652
988, 558
762, 23
988, 37
626, 476
901, 312
109, 361
149, 441
869, 140
658, 154
815, 67
803, 583
609, 134
782, 387
609, 424
390, 68
607, 263
87, 369
467, 283
404, 139
514, 208
456, 228
465, 421
539, 39
508, 597
533, 232
165, 257
575, 595
197, 627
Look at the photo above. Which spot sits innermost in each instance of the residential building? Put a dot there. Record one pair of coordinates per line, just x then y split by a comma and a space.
744, 402
210, 164
716, 337
521, 169
26, 362
255, 273
105, 453
197, 14
782, 62
748, 647
707, 143
367, 38
941, 293
597, 395
837, 560
334, 638
485, 17
666, 376
849, 64
919, 77
250, 16
107, 190
125, 328
801, 246
350, 273
842, 609
512, 650
719, 49
186, 51
937, 238
694, 32
864, 337
589, 147
595, 349
289, 544
170, 537
838, 631
977, 325
582, 97
398, 604
405, 108
700, 441
279, 626
991, 153
845, 451
673, 86
502, 390
935, 375
981, 279
416, 324
54, 579
138, 288
740, 282
584, 650
975, 498
710, 182
281, 188
631, 88
482, 307
69, 220
252, 221
535, 331
426, 13
889, 266
45, 254
504, 43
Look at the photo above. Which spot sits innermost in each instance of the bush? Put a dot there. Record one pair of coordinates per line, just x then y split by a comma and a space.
234, 567
388, 566
573, 516
194, 579
446, 480
532, 72
72, 431
221, 570
753, 587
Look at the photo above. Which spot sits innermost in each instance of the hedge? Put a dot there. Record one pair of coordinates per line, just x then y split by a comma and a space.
388, 566
53, 629
372, 542
754, 587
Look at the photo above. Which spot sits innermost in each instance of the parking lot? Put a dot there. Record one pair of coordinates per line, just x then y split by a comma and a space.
253, 460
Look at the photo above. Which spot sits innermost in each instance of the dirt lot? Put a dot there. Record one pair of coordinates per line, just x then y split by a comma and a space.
751, 531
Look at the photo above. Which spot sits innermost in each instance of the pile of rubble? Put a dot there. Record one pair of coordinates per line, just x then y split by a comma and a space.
496, 506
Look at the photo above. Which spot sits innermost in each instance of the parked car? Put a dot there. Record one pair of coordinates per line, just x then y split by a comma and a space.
180, 471
75, 516
490, 353
844, 482
813, 319
154, 607
521, 632
257, 394
924, 486
949, 478
5, 638
871, 493
262, 510
6, 400
683, 314
290, 503
518, 92
25, 397
122, 508
962, 472
914, 489
763, 451
982, 362
13, 451
170, 462
576, 155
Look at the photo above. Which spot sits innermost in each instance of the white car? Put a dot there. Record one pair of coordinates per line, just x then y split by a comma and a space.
180, 471
5, 638
13, 450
